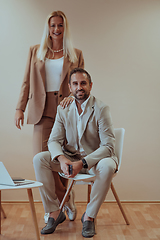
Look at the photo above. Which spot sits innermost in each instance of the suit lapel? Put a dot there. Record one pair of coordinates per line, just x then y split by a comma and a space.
41, 67
71, 119
65, 69
88, 111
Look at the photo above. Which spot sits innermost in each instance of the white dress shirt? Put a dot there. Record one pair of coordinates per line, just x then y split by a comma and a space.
79, 121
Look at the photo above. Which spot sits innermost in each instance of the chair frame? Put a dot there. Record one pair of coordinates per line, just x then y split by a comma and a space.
118, 151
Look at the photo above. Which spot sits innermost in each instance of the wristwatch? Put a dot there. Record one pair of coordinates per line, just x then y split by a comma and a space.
85, 165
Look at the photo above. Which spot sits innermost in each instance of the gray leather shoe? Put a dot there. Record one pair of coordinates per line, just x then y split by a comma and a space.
52, 223
69, 207
88, 229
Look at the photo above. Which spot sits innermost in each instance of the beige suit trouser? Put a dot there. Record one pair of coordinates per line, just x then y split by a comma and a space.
43, 128
41, 135
44, 169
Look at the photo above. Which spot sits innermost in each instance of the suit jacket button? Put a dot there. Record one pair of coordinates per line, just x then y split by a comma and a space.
60, 95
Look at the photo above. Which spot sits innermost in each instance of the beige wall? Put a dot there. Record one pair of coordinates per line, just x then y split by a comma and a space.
120, 40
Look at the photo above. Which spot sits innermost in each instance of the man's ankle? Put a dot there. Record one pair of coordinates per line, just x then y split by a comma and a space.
54, 214
87, 218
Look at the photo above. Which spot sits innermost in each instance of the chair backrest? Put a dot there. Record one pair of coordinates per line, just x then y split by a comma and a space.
119, 135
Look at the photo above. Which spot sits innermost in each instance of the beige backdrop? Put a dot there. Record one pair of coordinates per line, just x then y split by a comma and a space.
120, 40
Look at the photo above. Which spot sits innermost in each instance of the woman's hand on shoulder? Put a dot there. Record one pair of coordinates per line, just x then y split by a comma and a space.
19, 118
66, 101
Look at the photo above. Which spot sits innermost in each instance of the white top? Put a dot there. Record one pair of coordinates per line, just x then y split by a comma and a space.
79, 120
53, 69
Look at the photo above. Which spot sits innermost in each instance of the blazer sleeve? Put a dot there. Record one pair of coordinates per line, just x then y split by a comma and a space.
24, 93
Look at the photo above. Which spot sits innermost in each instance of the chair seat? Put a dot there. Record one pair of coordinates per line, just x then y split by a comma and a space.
81, 177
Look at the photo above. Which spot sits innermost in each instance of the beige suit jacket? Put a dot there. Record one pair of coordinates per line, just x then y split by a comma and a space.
97, 139
33, 86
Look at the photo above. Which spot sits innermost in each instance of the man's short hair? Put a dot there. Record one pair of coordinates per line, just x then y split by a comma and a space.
80, 70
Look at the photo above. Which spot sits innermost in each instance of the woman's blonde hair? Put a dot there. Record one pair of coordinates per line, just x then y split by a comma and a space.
46, 42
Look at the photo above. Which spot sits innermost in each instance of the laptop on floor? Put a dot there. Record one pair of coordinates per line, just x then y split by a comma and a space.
5, 178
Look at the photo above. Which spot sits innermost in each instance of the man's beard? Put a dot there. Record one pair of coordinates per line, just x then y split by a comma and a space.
84, 97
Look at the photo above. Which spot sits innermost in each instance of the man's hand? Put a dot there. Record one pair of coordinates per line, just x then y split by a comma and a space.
77, 166
65, 162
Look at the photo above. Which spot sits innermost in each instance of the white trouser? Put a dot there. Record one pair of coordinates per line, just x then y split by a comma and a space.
44, 167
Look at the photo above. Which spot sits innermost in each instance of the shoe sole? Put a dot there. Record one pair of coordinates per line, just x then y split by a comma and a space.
88, 236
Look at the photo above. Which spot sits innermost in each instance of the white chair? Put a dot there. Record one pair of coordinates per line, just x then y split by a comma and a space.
89, 179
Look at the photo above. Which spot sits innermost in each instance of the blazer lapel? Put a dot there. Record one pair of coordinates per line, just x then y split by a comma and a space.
71, 119
65, 69
41, 67
88, 111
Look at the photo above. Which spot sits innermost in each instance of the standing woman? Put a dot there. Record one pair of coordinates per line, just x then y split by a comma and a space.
45, 84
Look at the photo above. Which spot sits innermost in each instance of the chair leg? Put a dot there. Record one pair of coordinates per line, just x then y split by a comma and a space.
119, 204
3, 212
66, 194
89, 192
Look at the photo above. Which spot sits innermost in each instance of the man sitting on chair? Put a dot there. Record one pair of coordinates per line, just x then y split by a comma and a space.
82, 136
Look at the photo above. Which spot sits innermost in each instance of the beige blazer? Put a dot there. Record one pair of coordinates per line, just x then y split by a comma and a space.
33, 86
97, 139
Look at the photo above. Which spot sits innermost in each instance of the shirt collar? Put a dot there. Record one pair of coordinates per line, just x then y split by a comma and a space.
83, 105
